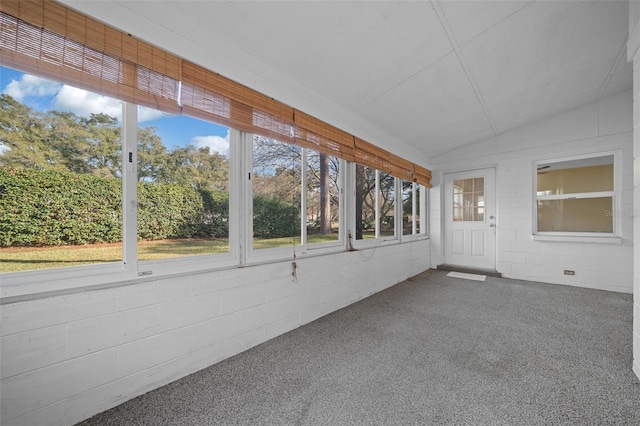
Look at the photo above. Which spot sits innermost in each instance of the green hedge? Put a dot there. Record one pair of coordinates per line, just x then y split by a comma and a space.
273, 218
41, 208
47, 208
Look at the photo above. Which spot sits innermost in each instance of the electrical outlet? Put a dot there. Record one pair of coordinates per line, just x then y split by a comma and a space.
569, 272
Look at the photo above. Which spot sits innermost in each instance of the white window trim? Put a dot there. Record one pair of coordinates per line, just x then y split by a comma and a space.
590, 237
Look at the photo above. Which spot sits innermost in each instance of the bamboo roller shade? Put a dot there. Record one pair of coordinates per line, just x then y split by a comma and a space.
50, 40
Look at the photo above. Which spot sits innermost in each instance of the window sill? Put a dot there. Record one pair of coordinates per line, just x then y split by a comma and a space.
609, 239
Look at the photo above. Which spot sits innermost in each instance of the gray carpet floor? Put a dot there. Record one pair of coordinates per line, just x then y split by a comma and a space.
430, 350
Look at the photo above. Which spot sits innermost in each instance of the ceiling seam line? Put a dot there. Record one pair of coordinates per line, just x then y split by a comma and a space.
400, 83
456, 47
615, 64
500, 21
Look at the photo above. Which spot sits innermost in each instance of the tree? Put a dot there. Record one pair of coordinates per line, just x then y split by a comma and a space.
105, 135
58, 140
23, 135
198, 167
152, 157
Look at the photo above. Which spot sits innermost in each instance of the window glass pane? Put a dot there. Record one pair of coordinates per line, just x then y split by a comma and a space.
183, 186
387, 204
468, 199
577, 176
277, 186
407, 207
60, 175
365, 202
323, 198
576, 215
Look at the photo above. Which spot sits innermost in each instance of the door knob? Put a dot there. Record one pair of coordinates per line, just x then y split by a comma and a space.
492, 225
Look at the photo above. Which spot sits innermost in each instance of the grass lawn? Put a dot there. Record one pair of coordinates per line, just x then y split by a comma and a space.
14, 259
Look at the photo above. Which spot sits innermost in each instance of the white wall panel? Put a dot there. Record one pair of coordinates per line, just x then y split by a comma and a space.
36, 389
67, 358
602, 126
33, 349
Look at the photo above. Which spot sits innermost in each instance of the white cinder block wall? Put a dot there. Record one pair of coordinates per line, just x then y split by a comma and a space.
602, 126
67, 358
633, 54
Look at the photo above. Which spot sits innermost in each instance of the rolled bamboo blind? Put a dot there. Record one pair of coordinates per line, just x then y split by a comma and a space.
50, 40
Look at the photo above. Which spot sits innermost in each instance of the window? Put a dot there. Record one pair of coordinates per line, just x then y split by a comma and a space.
277, 184
60, 175
180, 187
322, 198
408, 210
576, 196
375, 211
121, 164
183, 186
411, 209
287, 180
386, 205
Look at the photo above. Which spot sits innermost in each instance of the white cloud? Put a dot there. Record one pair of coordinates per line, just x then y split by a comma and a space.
215, 143
83, 103
148, 114
31, 86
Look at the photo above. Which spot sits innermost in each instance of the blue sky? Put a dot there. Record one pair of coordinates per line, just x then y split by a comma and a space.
44, 95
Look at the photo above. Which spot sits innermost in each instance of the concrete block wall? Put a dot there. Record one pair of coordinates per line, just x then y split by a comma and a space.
633, 55
605, 125
67, 358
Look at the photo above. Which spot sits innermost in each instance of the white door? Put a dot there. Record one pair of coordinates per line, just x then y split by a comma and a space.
469, 219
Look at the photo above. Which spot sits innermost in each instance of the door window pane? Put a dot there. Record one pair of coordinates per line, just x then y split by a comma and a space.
468, 200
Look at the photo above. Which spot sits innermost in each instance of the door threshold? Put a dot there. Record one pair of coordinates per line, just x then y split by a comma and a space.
469, 270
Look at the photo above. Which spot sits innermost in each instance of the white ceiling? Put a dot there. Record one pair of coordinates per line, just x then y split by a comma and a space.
428, 76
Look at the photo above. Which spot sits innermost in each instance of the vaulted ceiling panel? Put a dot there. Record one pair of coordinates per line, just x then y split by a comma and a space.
469, 19
543, 57
433, 76
350, 52
427, 107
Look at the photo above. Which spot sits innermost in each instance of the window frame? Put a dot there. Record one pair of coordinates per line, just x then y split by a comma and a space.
419, 227
615, 194
250, 255
378, 240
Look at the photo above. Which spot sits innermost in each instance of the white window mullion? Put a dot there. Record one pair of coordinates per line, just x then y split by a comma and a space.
246, 182
414, 209
303, 201
129, 186
377, 206
577, 195
424, 213
236, 192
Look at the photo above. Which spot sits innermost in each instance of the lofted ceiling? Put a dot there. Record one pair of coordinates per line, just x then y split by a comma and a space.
430, 76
